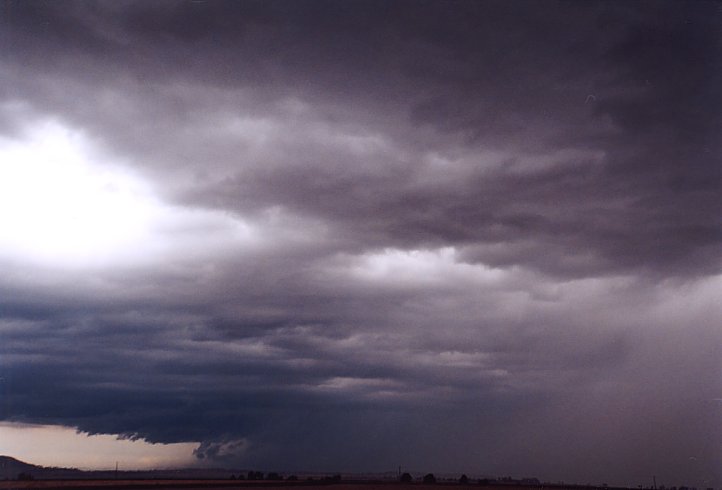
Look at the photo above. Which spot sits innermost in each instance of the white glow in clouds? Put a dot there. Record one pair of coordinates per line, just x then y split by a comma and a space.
63, 204
421, 267
50, 445
55, 206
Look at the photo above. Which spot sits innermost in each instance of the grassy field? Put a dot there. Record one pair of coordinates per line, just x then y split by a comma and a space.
226, 484
266, 485
195, 485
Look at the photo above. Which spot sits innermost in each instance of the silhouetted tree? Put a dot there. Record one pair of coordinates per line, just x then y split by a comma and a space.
25, 477
273, 476
406, 478
292, 478
255, 475
429, 478
464, 479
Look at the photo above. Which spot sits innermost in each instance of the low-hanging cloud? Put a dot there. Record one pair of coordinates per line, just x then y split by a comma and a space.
456, 236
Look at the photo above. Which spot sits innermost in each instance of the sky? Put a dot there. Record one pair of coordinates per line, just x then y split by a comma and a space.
451, 236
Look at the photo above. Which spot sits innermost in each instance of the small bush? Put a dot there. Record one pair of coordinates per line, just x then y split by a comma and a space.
429, 478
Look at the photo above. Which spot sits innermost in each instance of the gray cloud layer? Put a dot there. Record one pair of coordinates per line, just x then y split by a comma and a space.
490, 235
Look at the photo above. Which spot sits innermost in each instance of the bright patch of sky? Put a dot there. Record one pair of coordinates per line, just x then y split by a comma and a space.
63, 203
53, 445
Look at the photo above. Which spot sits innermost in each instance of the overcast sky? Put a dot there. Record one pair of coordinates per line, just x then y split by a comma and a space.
349, 235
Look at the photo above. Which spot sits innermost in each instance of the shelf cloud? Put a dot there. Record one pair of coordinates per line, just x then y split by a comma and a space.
344, 236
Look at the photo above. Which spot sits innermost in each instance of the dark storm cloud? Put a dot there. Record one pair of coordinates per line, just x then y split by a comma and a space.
488, 227
603, 133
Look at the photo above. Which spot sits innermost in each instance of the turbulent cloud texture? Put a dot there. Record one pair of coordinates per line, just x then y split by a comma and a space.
456, 236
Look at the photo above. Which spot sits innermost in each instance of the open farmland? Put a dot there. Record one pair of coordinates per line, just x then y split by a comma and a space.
228, 484
193, 485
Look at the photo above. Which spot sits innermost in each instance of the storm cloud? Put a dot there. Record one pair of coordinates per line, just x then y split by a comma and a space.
456, 236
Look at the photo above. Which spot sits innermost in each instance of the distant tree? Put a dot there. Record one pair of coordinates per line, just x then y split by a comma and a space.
233, 477
406, 478
429, 478
273, 476
484, 481
255, 475
464, 479
292, 478
25, 477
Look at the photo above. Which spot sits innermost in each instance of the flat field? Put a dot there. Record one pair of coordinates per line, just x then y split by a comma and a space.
197, 485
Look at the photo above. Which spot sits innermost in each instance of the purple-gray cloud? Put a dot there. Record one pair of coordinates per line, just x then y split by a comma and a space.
457, 236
